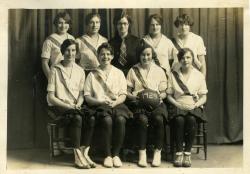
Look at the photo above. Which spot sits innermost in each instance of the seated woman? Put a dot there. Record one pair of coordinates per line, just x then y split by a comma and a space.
89, 42
187, 92
65, 98
105, 91
147, 75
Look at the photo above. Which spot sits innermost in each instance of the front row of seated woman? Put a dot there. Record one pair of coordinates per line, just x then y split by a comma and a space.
105, 90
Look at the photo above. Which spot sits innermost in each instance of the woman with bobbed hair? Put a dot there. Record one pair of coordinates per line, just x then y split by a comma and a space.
89, 42
187, 39
65, 98
51, 53
124, 43
187, 92
163, 46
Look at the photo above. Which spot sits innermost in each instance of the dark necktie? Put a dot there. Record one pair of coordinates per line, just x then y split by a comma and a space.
123, 53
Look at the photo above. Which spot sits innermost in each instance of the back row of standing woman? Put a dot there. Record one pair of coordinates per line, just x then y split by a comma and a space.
187, 53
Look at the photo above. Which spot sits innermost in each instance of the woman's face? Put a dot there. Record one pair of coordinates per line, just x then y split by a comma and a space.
155, 27
62, 27
94, 25
187, 60
122, 26
70, 53
146, 57
184, 29
105, 57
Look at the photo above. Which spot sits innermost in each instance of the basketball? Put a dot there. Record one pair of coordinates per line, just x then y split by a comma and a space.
150, 99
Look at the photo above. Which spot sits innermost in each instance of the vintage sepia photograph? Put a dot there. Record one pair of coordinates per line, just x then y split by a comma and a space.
125, 88
133, 89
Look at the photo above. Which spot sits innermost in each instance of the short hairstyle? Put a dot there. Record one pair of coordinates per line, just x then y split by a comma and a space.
183, 51
90, 16
63, 15
66, 43
106, 46
121, 15
183, 19
141, 47
156, 17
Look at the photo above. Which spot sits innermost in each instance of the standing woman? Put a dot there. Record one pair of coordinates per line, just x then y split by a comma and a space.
163, 46
89, 42
187, 92
65, 99
51, 53
187, 39
124, 43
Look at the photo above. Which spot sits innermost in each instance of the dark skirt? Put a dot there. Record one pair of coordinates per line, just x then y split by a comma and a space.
63, 117
137, 109
199, 113
104, 111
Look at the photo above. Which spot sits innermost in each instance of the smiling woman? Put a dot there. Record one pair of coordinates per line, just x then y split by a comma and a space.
51, 54
89, 42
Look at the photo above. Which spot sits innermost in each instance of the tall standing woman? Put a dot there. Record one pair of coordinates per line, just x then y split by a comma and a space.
187, 39
89, 42
124, 43
51, 53
163, 46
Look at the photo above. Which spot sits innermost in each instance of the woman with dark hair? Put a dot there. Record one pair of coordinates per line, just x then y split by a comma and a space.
187, 92
89, 42
51, 54
124, 43
147, 75
187, 39
163, 46
105, 91
65, 99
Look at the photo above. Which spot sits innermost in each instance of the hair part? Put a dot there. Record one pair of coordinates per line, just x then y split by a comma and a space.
90, 16
106, 46
66, 43
65, 15
183, 19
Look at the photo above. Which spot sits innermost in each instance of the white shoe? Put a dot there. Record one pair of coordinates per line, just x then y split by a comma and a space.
80, 162
85, 151
117, 161
142, 158
157, 158
108, 162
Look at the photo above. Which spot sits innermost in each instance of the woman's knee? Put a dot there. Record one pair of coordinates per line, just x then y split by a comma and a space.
120, 120
107, 121
91, 121
179, 120
158, 120
77, 120
142, 120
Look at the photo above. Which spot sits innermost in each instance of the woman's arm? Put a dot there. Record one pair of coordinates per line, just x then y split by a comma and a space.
202, 100
80, 100
94, 102
203, 67
130, 95
118, 101
56, 102
45, 67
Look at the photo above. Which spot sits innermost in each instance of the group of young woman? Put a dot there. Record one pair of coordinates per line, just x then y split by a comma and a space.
108, 77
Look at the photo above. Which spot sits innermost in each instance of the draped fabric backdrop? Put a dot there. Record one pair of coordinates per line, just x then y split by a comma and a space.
221, 29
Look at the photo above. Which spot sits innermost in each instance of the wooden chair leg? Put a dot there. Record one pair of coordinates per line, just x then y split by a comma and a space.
205, 140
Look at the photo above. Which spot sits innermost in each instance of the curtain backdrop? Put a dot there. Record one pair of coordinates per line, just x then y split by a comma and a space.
221, 29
